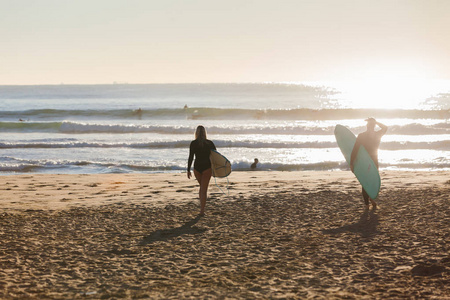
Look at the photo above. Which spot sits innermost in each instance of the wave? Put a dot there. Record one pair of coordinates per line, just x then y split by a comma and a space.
9, 164
420, 129
322, 166
30, 126
61, 167
61, 114
332, 165
208, 113
265, 129
436, 145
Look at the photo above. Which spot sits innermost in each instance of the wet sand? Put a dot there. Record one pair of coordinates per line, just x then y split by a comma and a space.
277, 235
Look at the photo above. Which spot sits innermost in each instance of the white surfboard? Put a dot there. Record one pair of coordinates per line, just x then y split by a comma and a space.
220, 165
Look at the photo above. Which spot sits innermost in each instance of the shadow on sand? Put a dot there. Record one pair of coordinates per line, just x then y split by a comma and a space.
366, 226
165, 234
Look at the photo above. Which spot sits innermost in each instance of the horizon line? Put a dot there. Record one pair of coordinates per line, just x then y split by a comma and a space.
303, 82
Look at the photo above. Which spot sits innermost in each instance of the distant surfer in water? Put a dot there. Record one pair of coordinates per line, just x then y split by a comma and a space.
371, 140
138, 112
201, 147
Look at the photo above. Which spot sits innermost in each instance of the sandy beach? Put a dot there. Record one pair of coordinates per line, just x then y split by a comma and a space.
277, 235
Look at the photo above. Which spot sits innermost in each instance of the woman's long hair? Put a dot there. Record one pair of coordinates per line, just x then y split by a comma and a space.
200, 134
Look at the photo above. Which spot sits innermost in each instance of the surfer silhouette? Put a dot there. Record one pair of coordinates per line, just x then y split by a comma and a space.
201, 147
371, 140
254, 164
138, 112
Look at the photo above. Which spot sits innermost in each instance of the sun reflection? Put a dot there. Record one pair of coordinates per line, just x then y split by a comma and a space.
388, 92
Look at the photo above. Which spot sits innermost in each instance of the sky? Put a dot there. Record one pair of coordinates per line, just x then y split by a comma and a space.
192, 41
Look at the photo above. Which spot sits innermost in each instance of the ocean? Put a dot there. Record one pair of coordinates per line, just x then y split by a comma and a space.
147, 128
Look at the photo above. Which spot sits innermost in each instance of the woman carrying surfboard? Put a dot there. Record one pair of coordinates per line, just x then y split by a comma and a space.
201, 147
371, 140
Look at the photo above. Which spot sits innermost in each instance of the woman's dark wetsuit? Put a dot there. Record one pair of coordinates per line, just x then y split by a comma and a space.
201, 149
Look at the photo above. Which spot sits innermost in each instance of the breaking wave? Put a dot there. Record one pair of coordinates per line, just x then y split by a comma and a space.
393, 145
296, 129
208, 113
32, 166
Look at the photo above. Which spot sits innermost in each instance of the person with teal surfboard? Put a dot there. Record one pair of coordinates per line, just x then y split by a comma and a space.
371, 140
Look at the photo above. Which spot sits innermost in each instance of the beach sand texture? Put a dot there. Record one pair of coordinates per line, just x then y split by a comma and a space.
277, 235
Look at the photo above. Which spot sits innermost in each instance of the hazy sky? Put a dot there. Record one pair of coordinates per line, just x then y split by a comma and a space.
102, 41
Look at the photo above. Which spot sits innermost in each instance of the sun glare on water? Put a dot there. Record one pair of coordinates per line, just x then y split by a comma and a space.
388, 93
390, 85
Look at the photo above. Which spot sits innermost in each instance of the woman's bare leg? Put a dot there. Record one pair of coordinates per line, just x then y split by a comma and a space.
203, 179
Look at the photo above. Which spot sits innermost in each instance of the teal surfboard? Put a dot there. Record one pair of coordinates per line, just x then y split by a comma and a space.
365, 169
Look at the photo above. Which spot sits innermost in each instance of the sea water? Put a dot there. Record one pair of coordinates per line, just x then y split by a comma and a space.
126, 128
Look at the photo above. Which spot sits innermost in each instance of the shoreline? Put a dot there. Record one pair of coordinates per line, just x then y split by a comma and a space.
292, 235
64, 191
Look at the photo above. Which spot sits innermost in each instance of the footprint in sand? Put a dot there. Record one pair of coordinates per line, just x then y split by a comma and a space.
45, 185
92, 185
